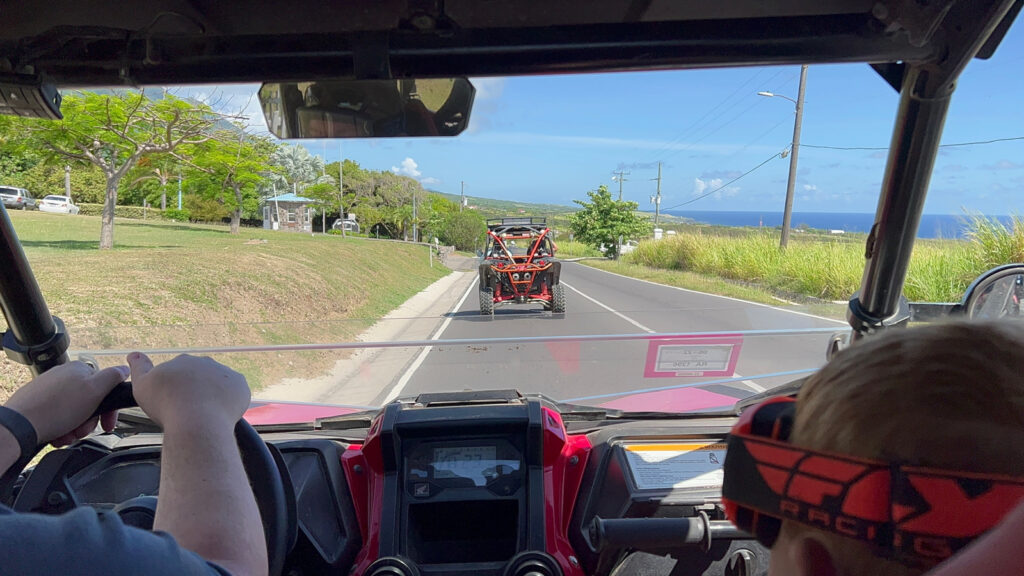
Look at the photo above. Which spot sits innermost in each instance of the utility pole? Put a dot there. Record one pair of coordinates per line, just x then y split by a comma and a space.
414, 230
463, 201
341, 188
179, 188
656, 199
787, 215
67, 180
619, 177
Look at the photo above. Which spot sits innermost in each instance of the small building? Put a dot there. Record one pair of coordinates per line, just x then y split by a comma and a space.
289, 212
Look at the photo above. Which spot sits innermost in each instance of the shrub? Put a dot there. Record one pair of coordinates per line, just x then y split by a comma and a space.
136, 212
204, 209
177, 215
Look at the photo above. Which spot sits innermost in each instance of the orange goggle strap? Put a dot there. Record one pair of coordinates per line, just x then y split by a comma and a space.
913, 514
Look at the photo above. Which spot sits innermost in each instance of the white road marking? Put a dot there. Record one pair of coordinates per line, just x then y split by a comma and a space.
749, 383
404, 380
612, 310
720, 296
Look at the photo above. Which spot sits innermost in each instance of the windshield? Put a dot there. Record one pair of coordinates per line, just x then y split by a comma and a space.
659, 285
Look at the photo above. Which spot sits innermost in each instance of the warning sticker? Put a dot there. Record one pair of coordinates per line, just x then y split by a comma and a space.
665, 466
692, 356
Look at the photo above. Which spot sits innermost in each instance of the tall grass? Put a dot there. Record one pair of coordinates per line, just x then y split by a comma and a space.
573, 249
831, 268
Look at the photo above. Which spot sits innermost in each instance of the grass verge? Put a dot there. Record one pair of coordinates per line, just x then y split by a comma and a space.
831, 269
177, 285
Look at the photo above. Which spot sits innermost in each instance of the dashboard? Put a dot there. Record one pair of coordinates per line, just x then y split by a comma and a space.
502, 487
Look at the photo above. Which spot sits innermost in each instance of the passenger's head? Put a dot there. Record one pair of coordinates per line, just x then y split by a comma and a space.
948, 396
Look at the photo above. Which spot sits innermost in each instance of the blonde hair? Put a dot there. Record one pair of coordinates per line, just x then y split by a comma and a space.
946, 396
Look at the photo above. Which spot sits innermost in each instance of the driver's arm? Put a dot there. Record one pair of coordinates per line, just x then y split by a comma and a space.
205, 499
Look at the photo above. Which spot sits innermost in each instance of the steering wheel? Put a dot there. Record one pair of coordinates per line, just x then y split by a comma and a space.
267, 475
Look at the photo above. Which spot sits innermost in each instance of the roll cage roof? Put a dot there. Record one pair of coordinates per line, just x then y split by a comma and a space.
517, 226
93, 42
919, 47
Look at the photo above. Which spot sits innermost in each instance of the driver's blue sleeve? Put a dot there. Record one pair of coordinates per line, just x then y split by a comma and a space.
84, 542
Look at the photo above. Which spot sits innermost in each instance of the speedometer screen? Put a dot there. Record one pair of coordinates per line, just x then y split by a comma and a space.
464, 461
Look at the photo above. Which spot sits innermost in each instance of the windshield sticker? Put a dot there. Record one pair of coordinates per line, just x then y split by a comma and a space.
667, 466
692, 357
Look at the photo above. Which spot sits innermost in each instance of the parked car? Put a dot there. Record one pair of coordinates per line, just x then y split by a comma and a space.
59, 204
349, 223
17, 198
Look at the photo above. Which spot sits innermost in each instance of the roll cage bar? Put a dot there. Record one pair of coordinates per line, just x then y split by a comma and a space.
919, 48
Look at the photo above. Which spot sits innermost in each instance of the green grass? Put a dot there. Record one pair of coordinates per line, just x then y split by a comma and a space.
830, 268
573, 249
171, 285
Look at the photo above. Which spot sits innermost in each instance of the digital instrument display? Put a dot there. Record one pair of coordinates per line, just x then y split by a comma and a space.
461, 464
463, 461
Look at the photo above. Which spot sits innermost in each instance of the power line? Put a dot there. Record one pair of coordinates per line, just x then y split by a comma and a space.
667, 147
700, 125
719, 127
705, 195
940, 146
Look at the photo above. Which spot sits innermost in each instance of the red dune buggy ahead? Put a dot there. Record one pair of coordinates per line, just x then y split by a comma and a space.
519, 265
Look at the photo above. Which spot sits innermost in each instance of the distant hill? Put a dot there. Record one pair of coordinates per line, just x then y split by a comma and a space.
557, 214
495, 208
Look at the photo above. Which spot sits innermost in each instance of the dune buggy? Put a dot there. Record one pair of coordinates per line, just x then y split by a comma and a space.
519, 265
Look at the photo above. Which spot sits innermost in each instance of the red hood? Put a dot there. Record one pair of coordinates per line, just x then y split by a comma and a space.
675, 400
264, 413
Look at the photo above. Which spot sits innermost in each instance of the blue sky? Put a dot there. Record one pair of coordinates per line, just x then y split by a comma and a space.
552, 138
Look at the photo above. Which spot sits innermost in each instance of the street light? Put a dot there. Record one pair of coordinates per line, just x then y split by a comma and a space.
787, 215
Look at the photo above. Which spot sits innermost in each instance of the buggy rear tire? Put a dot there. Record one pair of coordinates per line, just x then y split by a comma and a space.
558, 299
487, 301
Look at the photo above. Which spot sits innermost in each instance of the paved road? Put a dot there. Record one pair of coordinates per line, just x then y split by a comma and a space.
597, 372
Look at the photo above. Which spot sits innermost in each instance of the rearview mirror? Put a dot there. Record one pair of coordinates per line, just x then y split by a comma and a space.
997, 293
367, 108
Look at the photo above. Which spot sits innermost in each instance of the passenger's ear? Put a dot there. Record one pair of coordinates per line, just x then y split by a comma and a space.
812, 557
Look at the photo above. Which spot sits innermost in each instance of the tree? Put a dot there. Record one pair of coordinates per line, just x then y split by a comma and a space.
233, 166
297, 168
604, 219
463, 229
115, 131
153, 173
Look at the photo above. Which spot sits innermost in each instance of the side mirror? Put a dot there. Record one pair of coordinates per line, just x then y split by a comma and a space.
367, 108
997, 293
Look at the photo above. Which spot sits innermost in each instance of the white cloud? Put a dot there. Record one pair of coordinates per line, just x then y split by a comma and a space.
810, 187
409, 168
701, 186
488, 88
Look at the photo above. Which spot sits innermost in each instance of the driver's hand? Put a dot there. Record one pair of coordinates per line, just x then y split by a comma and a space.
60, 401
188, 391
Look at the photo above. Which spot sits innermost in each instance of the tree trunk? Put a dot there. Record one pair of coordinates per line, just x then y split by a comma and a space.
236, 214
107, 221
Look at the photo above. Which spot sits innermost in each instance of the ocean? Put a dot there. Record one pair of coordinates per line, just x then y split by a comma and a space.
932, 225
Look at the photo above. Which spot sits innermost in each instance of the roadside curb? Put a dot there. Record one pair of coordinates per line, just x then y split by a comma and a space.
416, 319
